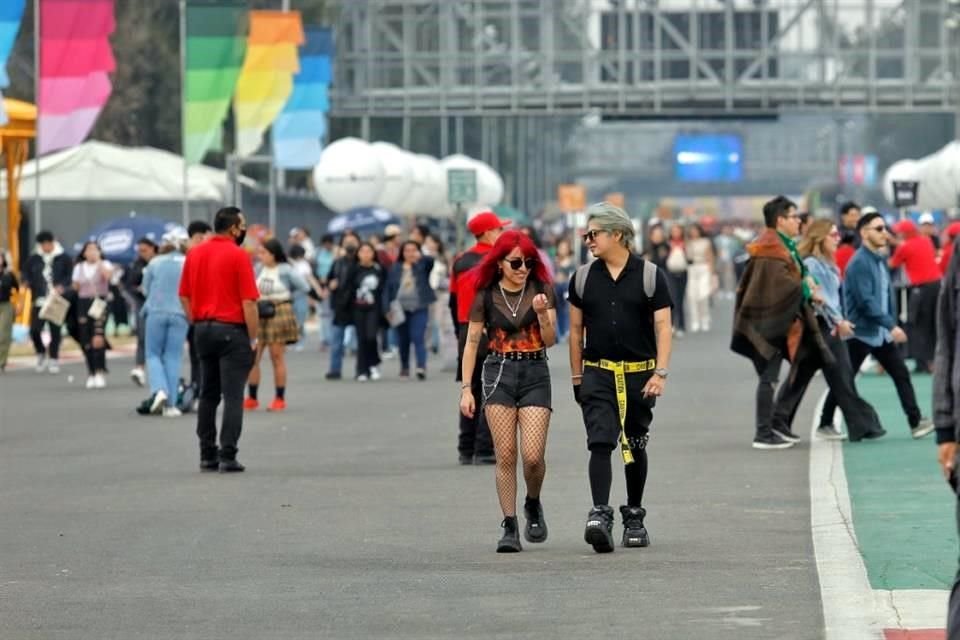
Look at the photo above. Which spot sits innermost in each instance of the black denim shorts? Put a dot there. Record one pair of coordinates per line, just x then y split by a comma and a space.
598, 401
521, 383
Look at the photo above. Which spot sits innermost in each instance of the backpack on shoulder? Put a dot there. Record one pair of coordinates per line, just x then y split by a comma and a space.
649, 279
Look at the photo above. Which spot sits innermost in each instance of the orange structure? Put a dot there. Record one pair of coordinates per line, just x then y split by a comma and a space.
15, 137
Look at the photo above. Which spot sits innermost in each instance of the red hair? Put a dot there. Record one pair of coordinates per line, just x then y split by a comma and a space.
487, 272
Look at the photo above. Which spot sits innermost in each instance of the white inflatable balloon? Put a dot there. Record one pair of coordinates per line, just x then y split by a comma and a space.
348, 175
900, 170
397, 175
490, 185
435, 202
412, 204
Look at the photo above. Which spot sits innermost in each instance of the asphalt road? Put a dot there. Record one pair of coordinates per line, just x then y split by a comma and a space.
354, 520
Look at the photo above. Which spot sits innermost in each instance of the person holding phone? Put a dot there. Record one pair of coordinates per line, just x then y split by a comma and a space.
946, 404
91, 280
623, 303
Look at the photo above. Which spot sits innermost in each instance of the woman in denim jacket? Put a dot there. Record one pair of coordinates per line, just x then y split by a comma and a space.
408, 287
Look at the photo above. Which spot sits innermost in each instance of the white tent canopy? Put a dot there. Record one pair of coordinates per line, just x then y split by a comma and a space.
101, 171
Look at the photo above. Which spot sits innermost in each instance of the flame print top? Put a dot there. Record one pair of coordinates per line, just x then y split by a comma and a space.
505, 332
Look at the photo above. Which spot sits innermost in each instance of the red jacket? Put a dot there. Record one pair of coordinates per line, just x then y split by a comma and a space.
462, 286
919, 257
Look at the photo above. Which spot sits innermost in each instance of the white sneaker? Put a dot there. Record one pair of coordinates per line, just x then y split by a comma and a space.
375, 373
99, 382
362, 378
91, 382
389, 355
54, 367
159, 402
138, 376
171, 412
41, 364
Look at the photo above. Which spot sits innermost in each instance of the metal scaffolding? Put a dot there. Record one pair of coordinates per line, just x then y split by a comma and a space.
524, 69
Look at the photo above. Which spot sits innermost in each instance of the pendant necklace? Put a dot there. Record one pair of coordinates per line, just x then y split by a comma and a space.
514, 310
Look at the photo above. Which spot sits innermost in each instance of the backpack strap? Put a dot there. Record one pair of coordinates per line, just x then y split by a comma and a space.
649, 279
580, 279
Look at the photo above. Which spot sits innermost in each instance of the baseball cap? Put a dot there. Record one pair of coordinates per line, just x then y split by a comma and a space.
926, 218
177, 237
486, 221
391, 231
868, 209
905, 227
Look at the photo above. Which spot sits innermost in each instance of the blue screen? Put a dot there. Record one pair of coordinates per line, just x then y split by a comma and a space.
708, 158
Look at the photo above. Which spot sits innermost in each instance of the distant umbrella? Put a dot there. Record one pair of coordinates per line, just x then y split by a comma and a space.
362, 220
118, 237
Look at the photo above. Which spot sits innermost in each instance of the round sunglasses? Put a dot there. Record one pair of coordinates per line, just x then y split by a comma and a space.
516, 263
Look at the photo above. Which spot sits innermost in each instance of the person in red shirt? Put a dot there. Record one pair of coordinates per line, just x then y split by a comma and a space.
219, 295
917, 255
952, 232
475, 444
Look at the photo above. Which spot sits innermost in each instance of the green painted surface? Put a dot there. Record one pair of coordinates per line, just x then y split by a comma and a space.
903, 511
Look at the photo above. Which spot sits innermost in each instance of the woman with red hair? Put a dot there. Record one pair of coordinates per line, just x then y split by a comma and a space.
516, 305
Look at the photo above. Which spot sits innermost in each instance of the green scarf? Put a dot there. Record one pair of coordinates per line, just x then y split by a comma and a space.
792, 248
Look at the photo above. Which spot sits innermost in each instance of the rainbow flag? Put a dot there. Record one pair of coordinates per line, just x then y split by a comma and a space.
215, 49
266, 80
11, 13
75, 60
300, 128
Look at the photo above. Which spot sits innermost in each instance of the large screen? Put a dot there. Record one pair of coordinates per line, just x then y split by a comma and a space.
707, 158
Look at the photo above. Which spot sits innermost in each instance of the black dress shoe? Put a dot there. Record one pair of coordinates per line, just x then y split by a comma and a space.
231, 466
209, 465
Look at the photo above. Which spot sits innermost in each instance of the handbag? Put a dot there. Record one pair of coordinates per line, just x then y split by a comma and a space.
97, 308
266, 309
55, 308
396, 315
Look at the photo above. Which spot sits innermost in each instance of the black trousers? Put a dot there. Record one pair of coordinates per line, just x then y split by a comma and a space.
225, 360
194, 358
36, 335
96, 357
678, 289
768, 372
922, 327
860, 416
367, 322
475, 436
888, 355
953, 614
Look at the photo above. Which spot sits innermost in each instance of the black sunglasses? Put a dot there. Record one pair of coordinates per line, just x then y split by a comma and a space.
592, 234
516, 263
880, 229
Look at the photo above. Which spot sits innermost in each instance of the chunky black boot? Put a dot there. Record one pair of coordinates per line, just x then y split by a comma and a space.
634, 533
510, 542
536, 529
599, 531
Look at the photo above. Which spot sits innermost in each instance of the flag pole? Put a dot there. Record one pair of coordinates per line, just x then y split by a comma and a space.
185, 213
281, 173
37, 203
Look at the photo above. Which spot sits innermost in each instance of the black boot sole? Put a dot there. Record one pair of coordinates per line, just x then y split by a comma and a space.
509, 546
600, 540
535, 539
633, 542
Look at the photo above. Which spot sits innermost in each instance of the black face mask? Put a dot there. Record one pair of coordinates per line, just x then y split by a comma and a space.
240, 238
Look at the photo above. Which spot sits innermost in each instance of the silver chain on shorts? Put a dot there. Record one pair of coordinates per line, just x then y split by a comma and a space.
493, 387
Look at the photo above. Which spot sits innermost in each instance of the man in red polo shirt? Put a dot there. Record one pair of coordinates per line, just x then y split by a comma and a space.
219, 294
475, 443
916, 253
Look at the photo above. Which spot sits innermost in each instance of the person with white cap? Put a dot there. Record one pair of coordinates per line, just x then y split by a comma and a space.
166, 323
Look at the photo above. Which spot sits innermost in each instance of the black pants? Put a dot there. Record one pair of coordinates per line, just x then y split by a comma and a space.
678, 289
367, 322
888, 355
140, 358
36, 334
96, 356
225, 360
861, 418
194, 358
475, 436
768, 372
922, 327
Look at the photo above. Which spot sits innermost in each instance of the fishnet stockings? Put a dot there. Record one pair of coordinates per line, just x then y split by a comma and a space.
534, 423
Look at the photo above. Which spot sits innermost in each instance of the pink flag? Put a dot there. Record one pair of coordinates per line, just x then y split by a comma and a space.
75, 58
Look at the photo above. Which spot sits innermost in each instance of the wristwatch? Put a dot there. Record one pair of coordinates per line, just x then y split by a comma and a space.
661, 372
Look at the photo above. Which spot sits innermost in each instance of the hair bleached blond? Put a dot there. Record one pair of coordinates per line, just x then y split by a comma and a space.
613, 219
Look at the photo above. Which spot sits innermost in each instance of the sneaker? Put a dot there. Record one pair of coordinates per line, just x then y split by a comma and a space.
157, 404
53, 367
231, 466
421, 374
404, 373
634, 533
924, 428
250, 404
99, 382
375, 373
138, 376
485, 459
278, 404
536, 529
390, 354
172, 412
786, 433
91, 382
42, 364
830, 432
363, 377
771, 441
465, 459
510, 541
599, 530
333, 375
